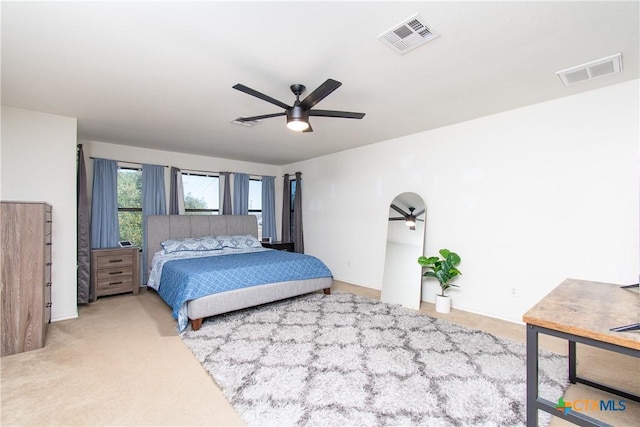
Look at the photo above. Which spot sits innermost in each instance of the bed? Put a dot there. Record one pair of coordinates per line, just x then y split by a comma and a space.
254, 286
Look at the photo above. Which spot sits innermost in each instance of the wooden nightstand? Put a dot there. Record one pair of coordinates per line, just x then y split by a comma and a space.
115, 271
281, 246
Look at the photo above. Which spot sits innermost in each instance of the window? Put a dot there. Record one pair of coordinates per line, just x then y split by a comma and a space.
201, 194
130, 204
255, 201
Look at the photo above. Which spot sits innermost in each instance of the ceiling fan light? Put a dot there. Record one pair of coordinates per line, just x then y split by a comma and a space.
297, 124
410, 222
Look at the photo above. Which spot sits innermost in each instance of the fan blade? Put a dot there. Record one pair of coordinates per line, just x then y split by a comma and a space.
419, 213
421, 220
397, 218
264, 116
320, 93
341, 114
252, 92
397, 209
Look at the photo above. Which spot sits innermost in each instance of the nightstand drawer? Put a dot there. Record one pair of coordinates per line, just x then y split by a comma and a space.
115, 285
115, 260
110, 274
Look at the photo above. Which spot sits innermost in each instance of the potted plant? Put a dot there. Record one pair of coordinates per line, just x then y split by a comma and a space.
444, 269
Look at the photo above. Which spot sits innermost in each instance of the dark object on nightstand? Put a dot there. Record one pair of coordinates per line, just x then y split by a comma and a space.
281, 246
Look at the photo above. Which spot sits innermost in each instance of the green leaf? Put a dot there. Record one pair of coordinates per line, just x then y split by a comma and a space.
454, 272
444, 253
426, 262
442, 277
453, 258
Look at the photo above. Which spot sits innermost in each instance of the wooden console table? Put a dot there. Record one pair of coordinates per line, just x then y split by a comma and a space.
580, 312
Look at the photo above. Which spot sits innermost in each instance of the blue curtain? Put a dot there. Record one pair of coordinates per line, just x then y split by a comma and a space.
105, 231
226, 194
269, 207
154, 202
240, 194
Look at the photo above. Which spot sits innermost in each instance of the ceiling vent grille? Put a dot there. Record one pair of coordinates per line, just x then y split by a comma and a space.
591, 70
408, 35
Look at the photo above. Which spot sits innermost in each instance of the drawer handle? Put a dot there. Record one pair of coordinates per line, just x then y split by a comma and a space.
115, 272
48, 305
115, 260
115, 283
48, 264
48, 284
49, 221
48, 244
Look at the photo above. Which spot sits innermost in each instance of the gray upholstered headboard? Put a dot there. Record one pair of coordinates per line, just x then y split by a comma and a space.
163, 227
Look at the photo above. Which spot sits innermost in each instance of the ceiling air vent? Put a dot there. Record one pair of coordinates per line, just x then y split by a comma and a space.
591, 70
408, 35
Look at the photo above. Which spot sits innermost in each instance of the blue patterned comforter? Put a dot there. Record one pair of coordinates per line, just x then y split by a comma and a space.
184, 280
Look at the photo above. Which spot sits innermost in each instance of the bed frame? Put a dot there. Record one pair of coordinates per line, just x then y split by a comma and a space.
162, 227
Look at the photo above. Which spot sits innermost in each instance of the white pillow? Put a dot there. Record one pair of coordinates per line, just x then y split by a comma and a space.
208, 243
239, 241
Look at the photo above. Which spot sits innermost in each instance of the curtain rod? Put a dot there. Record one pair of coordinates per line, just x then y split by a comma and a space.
190, 170
126, 161
292, 174
221, 172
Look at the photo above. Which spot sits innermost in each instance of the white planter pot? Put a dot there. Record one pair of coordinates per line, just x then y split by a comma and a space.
443, 304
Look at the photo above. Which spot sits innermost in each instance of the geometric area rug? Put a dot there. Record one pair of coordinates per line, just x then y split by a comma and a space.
343, 359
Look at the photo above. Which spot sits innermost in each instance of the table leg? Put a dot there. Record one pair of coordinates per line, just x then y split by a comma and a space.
532, 376
572, 362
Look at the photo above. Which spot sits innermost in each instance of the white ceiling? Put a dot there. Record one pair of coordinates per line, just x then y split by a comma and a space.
160, 75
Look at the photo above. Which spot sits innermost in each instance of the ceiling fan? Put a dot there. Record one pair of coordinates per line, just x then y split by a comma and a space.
409, 218
298, 114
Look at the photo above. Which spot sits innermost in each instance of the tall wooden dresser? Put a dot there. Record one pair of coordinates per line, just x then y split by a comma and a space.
26, 275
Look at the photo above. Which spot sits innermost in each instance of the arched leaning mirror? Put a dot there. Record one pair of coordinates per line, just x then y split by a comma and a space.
402, 282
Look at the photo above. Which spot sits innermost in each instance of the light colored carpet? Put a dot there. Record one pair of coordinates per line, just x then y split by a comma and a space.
121, 363
343, 359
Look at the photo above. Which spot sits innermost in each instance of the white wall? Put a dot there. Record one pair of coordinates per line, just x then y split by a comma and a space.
527, 198
38, 158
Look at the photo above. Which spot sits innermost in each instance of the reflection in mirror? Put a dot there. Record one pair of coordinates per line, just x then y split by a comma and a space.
402, 282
